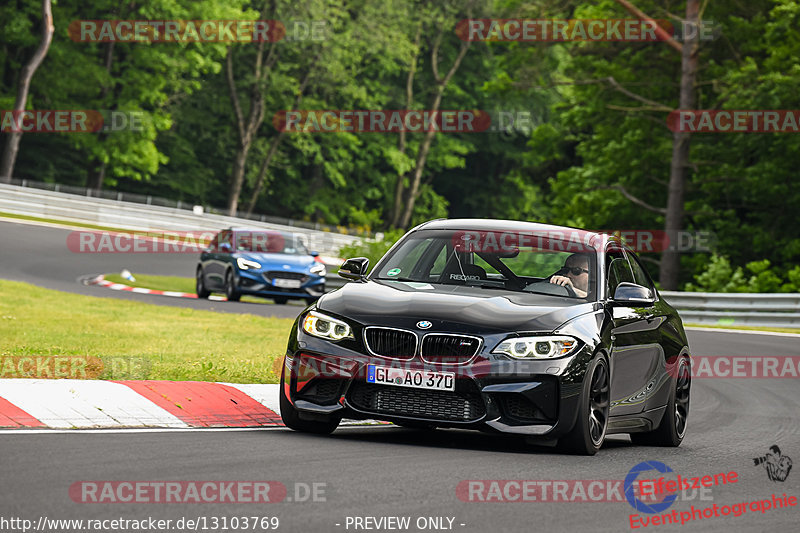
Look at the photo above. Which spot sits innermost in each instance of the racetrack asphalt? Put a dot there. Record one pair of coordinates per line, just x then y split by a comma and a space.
390, 471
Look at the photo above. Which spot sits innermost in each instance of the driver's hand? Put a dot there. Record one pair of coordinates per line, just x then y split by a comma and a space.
566, 282
563, 281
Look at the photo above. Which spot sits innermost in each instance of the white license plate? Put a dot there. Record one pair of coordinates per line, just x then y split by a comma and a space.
417, 379
287, 283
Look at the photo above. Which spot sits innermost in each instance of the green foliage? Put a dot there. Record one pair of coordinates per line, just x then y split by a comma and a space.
720, 276
372, 249
589, 148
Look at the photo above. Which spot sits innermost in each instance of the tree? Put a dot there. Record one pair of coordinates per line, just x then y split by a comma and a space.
12, 143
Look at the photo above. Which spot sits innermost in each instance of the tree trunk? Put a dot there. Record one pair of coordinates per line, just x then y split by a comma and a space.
262, 172
96, 177
247, 127
12, 144
670, 259
237, 178
422, 157
399, 186
276, 141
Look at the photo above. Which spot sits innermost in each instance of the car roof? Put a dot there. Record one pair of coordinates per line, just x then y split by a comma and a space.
490, 224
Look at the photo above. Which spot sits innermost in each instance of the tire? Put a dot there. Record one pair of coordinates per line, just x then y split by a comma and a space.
200, 286
672, 429
280, 300
589, 432
322, 425
231, 293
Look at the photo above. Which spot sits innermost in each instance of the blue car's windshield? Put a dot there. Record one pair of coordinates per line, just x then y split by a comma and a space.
274, 242
494, 260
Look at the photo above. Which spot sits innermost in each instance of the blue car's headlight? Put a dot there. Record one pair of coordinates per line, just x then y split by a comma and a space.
326, 327
319, 269
537, 347
246, 264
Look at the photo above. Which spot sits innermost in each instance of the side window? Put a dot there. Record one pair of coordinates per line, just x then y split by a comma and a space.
491, 272
439, 263
640, 277
618, 268
222, 237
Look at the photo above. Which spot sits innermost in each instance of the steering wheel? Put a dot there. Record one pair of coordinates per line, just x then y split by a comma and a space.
551, 288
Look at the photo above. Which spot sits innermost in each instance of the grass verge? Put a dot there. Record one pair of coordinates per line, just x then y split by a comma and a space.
169, 283
136, 340
158, 283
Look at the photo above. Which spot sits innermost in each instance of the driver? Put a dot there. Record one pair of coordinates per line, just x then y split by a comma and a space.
576, 275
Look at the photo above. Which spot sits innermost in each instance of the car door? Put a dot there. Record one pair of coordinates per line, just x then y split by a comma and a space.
636, 355
217, 260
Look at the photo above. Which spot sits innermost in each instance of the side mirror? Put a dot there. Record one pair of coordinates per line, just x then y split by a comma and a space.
633, 295
354, 269
225, 248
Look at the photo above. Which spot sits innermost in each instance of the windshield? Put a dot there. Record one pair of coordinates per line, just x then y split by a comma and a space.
494, 260
273, 242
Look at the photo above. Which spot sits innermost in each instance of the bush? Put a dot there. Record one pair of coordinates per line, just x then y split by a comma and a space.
372, 249
720, 276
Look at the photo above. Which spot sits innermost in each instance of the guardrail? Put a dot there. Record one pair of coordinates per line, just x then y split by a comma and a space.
737, 309
68, 207
706, 308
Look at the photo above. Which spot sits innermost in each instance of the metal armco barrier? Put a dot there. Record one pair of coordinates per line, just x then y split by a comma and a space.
134, 216
737, 309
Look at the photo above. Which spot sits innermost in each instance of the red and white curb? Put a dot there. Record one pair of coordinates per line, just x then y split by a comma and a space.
102, 282
75, 403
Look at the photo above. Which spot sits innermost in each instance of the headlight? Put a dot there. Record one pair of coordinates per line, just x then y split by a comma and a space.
326, 327
537, 347
245, 264
319, 269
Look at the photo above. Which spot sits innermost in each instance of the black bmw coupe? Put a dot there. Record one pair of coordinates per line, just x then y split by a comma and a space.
549, 332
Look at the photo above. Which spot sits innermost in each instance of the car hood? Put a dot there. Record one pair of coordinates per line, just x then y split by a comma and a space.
393, 303
276, 261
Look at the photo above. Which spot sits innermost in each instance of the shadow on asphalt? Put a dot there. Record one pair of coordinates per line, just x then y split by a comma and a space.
458, 439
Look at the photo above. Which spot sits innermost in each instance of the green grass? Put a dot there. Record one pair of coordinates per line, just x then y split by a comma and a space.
746, 328
159, 283
162, 342
170, 283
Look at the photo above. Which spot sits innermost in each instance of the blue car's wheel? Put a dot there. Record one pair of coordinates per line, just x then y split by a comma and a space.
231, 292
200, 286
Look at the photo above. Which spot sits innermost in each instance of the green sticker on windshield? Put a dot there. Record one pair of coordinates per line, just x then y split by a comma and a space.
393, 272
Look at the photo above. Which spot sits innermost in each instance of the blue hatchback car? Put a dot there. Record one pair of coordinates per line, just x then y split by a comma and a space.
272, 264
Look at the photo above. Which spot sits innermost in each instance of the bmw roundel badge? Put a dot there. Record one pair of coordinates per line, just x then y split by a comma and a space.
424, 324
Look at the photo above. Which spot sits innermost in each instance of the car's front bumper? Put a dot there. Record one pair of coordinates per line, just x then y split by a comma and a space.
534, 398
256, 283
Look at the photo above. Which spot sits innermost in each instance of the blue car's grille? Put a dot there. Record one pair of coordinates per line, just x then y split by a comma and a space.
272, 274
